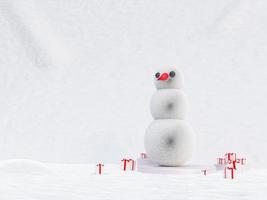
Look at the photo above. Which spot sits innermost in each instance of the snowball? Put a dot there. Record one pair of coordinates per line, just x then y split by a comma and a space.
169, 142
175, 82
168, 104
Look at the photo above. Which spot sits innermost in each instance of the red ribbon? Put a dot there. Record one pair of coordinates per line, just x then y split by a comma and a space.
205, 172
232, 172
124, 163
234, 164
228, 155
99, 168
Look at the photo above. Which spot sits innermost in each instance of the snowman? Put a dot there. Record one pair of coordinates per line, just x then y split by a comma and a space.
169, 139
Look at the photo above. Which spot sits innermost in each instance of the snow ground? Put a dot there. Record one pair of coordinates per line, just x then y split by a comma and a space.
78, 181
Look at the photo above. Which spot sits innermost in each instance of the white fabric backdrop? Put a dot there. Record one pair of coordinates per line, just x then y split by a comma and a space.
76, 76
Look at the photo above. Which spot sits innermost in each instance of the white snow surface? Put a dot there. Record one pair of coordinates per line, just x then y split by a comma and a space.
78, 181
76, 79
22, 167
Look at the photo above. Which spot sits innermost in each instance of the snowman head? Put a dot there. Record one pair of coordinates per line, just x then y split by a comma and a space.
168, 78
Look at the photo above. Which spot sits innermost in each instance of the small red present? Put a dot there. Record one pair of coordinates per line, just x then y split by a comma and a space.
243, 161
204, 172
124, 163
143, 155
99, 168
128, 164
220, 161
230, 156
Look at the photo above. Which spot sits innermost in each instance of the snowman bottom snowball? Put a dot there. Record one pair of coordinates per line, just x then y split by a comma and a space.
169, 142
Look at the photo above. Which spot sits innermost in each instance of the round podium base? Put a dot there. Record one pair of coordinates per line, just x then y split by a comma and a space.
148, 166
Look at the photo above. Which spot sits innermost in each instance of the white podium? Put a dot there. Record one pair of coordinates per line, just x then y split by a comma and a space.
148, 166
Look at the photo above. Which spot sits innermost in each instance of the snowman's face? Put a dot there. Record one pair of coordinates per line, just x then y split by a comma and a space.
168, 78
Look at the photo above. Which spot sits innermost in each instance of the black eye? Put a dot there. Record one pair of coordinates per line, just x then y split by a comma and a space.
157, 74
172, 74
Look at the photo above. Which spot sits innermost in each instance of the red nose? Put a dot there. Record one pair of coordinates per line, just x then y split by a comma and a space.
163, 77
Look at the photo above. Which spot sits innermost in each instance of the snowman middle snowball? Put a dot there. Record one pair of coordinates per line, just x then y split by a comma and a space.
169, 140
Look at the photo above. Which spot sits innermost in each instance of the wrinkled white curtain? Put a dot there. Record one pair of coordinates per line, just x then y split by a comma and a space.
76, 75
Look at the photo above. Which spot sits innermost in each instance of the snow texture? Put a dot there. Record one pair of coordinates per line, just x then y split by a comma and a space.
23, 167
78, 181
76, 82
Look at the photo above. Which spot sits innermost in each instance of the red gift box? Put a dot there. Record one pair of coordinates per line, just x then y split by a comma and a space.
99, 168
221, 161
230, 156
128, 164
204, 172
143, 155
243, 161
